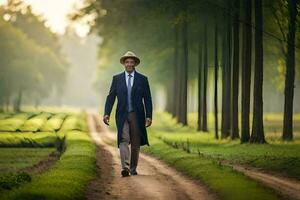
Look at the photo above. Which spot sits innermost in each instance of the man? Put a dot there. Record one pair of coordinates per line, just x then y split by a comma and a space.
131, 88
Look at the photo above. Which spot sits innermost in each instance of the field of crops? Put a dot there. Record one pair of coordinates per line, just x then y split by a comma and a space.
29, 138
41, 122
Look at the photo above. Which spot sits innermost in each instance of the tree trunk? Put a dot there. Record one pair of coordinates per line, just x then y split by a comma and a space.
17, 106
235, 73
183, 113
224, 63
226, 79
246, 71
216, 80
205, 65
228, 75
178, 75
175, 83
199, 122
257, 135
290, 72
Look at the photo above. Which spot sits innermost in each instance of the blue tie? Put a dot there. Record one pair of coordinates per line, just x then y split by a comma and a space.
129, 106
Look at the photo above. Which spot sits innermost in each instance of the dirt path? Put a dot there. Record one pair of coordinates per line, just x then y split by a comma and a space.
156, 180
286, 187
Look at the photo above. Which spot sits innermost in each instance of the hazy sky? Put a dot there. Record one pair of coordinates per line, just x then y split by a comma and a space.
55, 12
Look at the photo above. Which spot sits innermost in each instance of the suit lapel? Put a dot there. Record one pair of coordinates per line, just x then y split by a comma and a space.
123, 80
135, 82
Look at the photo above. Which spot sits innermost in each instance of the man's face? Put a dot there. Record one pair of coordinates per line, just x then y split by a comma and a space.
129, 64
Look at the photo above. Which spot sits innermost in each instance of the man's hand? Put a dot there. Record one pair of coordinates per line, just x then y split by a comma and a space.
106, 120
148, 122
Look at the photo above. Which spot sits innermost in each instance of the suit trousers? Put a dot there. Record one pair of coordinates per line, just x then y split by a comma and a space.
130, 136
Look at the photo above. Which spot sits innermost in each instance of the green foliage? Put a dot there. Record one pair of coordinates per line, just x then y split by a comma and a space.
13, 122
9, 181
69, 176
15, 159
41, 139
54, 123
30, 57
75, 122
42, 122
35, 123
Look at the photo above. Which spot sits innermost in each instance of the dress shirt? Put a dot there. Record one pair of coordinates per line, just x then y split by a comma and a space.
132, 78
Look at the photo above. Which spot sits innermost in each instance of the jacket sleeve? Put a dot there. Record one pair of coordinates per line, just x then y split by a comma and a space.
148, 100
110, 99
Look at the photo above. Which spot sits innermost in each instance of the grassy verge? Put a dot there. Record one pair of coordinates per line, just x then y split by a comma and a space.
227, 183
68, 177
276, 156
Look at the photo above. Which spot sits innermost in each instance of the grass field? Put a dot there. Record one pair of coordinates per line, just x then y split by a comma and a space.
227, 183
29, 137
277, 155
69, 176
26, 157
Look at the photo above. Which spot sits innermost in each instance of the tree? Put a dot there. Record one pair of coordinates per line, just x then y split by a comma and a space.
32, 68
200, 69
205, 70
246, 71
184, 75
216, 79
226, 76
235, 72
290, 72
257, 135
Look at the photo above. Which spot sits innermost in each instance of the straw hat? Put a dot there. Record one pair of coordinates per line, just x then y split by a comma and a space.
130, 54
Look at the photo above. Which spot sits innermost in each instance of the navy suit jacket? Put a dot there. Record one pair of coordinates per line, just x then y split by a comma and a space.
141, 102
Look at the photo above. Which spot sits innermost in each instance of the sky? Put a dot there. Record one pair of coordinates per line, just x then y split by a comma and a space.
55, 13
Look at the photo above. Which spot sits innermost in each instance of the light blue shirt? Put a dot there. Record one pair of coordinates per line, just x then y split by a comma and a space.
127, 77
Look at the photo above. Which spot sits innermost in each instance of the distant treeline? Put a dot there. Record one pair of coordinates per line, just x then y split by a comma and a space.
31, 65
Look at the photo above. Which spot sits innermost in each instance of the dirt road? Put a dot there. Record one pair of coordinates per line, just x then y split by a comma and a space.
155, 180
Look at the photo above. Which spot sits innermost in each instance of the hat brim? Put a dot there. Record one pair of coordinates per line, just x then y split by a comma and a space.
137, 60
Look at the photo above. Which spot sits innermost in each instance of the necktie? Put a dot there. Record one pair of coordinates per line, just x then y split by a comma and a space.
129, 106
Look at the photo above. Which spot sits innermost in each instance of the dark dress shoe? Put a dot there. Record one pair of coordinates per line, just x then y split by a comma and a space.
125, 172
134, 173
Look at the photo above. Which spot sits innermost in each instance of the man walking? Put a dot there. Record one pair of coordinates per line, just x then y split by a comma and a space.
133, 114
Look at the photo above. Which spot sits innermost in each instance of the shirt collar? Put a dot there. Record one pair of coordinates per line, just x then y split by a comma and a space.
132, 73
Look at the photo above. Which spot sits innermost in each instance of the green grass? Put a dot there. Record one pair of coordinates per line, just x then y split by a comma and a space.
13, 180
15, 121
28, 139
68, 177
26, 157
227, 183
273, 123
35, 123
5, 115
44, 119
74, 122
277, 155
281, 158
54, 123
